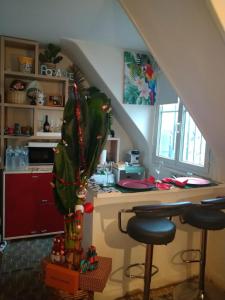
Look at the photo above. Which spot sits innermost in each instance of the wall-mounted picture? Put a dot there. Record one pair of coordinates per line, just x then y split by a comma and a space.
139, 78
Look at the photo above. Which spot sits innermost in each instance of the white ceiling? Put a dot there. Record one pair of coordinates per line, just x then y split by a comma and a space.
49, 20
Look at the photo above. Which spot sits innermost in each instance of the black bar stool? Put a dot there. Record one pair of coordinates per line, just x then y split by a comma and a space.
150, 225
206, 216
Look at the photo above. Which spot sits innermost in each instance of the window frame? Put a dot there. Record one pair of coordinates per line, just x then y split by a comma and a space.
176, 165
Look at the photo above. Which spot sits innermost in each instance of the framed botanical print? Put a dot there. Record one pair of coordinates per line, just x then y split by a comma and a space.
139, 78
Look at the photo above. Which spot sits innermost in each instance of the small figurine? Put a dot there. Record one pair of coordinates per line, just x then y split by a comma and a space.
17, 129
18, 85
84, 266
40, 98
91, 257
58, 249
69, 259
90, 263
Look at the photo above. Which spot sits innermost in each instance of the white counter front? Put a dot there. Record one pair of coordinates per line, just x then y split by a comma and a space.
32, 169
101, 230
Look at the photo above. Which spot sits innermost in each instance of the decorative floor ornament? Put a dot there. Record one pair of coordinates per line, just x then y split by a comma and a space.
86, 123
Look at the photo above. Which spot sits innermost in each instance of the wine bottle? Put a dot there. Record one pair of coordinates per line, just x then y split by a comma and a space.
46, 126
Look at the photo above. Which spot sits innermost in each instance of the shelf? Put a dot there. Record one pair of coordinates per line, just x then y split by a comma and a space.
32, 137
23, 137
112, 139
35, 137
26, 116
35, 107
20, 43
43, 107
26, 106
13, 48
35, 76
48, 134
112, 146
19, 116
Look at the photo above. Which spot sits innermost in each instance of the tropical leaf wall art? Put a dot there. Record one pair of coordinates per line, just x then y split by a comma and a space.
139, 78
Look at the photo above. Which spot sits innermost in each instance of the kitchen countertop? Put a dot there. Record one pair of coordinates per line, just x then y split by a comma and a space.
112, 195
101, 230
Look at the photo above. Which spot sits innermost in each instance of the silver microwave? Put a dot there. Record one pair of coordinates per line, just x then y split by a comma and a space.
41, 153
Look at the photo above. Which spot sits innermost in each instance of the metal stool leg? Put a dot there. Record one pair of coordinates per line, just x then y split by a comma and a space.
192, 290
148, 271
202, 265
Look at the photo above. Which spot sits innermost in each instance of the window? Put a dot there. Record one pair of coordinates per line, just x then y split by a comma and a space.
179, 143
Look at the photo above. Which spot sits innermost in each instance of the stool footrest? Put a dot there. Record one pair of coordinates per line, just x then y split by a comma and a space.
183, 253
155, 270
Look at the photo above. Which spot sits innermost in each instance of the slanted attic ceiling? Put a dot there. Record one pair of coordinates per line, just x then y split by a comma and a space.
50, 20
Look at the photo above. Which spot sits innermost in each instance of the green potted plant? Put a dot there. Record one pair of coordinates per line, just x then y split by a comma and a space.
86, 123
50, 56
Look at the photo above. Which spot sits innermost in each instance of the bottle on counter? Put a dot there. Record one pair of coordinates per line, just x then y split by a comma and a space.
23, 161
26, 157
17, 158
46, 126
9, 154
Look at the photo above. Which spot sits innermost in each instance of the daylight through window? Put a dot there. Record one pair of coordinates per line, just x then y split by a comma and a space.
178, 139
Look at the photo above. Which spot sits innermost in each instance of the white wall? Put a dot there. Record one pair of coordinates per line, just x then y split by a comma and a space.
108, 62
103, 67
125, 141
125, 251
104, 22
189, 48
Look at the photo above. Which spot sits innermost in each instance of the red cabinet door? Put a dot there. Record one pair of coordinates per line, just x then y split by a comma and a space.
21, 214
41, 183
29, 205
50, 220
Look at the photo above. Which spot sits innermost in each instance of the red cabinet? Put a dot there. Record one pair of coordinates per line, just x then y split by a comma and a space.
29, 207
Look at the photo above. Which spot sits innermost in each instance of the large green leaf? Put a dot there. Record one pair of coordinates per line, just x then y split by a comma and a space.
89, 118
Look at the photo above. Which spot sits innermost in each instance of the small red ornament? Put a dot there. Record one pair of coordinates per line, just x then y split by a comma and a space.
78, 215
88, 207
52, 185
104, 107
151, 179
62, 180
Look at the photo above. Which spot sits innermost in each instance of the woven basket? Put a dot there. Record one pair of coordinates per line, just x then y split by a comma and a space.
16, 97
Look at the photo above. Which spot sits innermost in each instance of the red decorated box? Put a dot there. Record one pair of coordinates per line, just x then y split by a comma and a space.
96, 280
61, 278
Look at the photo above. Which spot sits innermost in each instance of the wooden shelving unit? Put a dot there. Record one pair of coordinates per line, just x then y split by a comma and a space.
26, 195
26, 114
112, 146
34, 76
